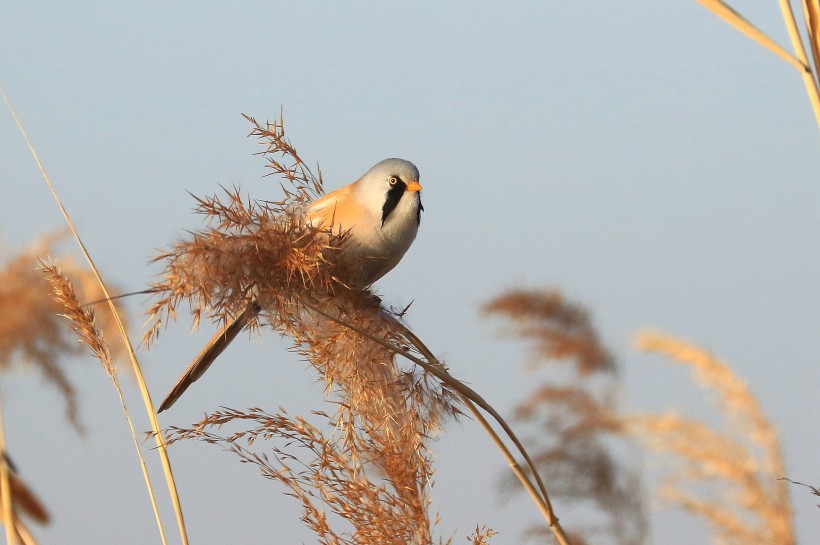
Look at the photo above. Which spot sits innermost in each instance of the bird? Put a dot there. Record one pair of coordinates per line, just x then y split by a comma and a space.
380, 213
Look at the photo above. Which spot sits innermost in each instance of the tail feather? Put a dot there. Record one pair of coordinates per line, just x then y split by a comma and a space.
209, 353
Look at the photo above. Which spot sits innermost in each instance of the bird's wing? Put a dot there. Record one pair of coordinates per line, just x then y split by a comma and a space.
337, 208
209, 353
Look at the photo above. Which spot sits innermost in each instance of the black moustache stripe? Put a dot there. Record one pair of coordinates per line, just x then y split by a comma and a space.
392, 201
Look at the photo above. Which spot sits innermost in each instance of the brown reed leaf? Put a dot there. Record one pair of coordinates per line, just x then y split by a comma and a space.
729, 476
26, 501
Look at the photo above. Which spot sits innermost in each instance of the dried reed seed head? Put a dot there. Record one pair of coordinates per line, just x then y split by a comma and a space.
380, 510
82, 320
738, 404
252, 252
481, 536
374, 470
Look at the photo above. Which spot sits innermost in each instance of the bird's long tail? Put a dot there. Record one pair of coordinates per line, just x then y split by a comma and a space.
209, 353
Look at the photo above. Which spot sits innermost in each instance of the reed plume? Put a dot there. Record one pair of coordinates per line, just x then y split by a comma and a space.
369, 463
40, 343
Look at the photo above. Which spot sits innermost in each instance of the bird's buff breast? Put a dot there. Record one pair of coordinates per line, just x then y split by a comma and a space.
373, 255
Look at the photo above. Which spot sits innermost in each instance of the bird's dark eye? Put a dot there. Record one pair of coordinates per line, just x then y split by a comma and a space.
393, 180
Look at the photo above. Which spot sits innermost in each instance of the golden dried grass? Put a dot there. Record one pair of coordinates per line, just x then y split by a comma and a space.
808, 69
31, 335
729, 476
82, 322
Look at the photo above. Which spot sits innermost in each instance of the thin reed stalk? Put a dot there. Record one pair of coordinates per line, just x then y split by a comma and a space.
5, 487
166, 463
813, 28
800, 61
83, 323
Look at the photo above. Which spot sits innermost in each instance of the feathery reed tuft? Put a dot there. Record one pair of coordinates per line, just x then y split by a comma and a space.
560, 329
373, 496
81, 319
375, 473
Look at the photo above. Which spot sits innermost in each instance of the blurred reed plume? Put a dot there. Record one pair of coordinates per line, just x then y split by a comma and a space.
367, 462
806, 66
573, 416
728, 475
31, 332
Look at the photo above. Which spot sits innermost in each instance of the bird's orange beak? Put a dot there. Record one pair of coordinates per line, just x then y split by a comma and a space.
413, 186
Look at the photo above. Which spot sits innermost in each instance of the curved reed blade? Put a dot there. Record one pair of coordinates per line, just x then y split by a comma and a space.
728, 14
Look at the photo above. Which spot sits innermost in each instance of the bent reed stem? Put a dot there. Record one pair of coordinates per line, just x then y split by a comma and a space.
470, 398
5, 486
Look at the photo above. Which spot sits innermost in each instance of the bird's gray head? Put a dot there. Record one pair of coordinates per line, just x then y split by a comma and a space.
390, 183
404, 170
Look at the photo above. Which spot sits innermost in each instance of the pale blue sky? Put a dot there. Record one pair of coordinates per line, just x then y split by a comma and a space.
643, 157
